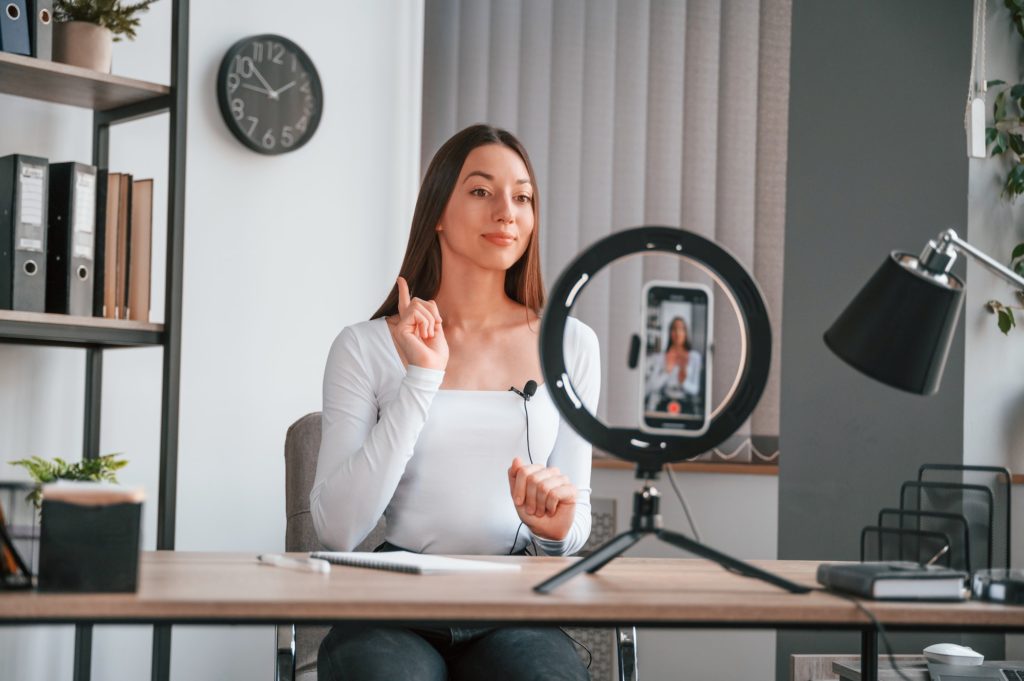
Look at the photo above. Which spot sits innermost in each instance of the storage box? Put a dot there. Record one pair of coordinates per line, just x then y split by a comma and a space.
89, 546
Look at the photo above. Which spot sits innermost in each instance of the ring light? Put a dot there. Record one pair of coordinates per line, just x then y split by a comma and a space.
652, 452
649, 451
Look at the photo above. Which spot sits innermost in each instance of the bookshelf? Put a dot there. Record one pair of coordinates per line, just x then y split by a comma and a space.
115, 100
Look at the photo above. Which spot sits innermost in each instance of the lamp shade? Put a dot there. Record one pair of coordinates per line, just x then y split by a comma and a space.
898, 329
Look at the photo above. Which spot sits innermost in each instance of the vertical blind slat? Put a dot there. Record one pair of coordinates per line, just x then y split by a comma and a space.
770, 191
562, 232
440, 77
474, 53
598, 125
628, 196
503, 83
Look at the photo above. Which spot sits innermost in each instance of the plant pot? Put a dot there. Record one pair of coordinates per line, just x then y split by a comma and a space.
81, 43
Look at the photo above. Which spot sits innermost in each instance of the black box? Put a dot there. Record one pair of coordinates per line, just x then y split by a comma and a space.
89, 548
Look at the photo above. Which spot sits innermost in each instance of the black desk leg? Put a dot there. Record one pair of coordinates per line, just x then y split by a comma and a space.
83, 652
161, 652
869, 655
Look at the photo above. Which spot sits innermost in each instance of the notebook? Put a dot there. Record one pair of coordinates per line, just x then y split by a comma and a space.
894, 580
417, 563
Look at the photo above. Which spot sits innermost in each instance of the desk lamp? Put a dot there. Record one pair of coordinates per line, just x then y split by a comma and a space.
651, 452
898, 329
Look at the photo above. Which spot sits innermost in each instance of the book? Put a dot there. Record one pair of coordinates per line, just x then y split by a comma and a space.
417, 563
124, 213
140, 250
111, 215
894, 580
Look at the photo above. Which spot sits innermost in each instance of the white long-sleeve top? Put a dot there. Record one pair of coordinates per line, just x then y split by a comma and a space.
435, 462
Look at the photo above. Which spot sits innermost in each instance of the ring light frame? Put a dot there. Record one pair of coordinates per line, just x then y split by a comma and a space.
651, 451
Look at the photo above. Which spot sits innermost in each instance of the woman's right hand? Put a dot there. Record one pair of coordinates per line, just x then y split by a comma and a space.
419, 333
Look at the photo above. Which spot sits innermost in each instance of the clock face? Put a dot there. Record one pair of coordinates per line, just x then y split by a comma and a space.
269, 94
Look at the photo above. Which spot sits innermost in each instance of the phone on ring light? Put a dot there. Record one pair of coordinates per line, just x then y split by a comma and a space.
675, 358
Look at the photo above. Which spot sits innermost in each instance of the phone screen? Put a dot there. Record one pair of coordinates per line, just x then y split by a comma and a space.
675, 391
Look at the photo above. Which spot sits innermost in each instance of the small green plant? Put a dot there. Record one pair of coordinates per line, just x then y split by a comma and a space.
1004, 312
111, 14
103, 469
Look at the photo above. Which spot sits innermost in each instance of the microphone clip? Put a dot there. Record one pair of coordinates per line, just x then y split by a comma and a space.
527, 392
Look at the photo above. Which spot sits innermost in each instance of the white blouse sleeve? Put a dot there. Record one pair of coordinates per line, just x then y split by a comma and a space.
571, 453
365, 446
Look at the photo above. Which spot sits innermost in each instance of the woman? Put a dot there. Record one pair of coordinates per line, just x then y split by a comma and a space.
420, 423
674, 376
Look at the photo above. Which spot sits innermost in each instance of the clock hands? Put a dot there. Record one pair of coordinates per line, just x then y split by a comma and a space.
270, 91
257, 89
266, 89
282, 89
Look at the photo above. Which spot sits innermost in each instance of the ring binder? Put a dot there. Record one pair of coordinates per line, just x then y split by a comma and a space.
23, 207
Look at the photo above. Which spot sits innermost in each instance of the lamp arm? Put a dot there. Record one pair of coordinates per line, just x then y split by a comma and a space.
938, 256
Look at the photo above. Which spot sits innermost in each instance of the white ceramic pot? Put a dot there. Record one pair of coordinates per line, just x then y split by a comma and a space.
81, 43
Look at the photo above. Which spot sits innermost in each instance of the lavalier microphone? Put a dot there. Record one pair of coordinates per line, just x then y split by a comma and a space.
528, 390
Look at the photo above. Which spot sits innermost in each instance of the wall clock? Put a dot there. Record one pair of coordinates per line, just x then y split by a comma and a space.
269, 93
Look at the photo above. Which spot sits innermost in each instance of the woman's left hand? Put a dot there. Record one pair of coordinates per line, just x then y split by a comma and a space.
544, 498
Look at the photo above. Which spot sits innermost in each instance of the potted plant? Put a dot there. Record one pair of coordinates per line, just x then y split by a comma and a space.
85, 30
102, 469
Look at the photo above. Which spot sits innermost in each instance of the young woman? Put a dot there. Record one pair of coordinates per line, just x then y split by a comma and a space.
420, 422
675, 374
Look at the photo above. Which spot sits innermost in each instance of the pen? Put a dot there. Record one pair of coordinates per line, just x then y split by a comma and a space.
303, 564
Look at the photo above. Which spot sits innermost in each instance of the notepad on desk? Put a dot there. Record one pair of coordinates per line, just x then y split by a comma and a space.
894, 580
416, 563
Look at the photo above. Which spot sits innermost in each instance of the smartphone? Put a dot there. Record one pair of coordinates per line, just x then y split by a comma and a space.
675, 356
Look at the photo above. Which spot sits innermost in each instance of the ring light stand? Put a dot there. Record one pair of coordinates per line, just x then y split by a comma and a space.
651, 451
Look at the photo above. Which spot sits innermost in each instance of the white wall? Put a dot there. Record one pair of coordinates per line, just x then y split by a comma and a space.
280, 253
994, 363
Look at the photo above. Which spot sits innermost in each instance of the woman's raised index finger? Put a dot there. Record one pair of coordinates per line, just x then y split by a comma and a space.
403, 294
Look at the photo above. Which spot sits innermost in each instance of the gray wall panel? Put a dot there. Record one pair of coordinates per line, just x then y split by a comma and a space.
876, 163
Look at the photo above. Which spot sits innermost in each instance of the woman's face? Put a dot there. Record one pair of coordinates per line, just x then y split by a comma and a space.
489, 217
678, 333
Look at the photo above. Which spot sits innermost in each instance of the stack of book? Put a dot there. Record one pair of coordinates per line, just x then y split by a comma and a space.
74, 239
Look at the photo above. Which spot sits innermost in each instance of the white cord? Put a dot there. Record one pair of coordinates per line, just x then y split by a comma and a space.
682, 500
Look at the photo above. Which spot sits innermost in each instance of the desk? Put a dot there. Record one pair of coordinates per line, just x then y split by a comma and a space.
223, 588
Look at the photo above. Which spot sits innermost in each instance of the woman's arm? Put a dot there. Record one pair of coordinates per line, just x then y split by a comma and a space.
692, 383
571, 453
364, 446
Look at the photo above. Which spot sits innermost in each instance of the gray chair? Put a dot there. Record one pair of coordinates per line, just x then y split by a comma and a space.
614, 652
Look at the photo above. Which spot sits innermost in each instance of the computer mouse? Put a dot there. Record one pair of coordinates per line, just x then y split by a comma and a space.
951, 653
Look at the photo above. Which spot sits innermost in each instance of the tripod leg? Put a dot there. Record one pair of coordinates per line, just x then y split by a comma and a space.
593, 562
726, 561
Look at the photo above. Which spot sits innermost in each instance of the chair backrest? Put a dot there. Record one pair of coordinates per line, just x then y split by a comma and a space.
301, 449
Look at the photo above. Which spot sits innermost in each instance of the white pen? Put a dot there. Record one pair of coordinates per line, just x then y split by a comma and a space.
303, 564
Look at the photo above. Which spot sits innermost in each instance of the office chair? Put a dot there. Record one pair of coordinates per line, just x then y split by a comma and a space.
614, 652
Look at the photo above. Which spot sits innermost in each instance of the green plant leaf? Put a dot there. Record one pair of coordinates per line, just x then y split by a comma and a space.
1005, 321
994, 83
1016, 143
1018, 251
1002, 142
1017, 91
999, 108
990, 135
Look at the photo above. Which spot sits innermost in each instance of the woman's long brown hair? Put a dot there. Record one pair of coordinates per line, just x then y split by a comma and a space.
421, 266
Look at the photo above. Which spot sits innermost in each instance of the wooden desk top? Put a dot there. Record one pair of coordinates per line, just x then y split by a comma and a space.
232, 587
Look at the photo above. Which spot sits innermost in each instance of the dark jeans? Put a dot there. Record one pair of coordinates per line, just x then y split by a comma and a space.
363, 652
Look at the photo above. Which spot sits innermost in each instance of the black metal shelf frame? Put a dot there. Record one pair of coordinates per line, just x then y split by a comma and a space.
97, 339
